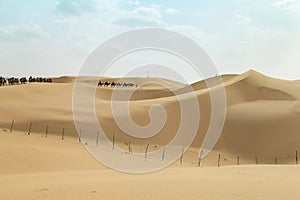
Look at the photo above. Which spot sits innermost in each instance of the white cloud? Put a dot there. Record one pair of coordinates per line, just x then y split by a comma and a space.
190, 31
250, 28
138, 21
140, 17
283, 3
134, 2
172, 11
30, 31
75, 7
290, 7
151, 12
242, 19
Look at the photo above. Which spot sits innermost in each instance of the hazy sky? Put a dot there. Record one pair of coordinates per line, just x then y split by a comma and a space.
54, 37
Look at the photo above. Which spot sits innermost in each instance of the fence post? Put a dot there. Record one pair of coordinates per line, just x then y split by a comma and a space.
163, 154
29, 130
46, 135
238, 160
63, 134
296, 157
219, 158
97, 141
146, 151
12, 125
181, 157
200, 158
79, 139
256, 160
129, 148
113, 142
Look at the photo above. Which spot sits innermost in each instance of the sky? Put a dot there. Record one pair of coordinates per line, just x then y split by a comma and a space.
54, 37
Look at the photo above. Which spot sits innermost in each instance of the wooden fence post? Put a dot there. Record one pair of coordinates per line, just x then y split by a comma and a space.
146, 151
12, 125
129, 148
256, 160
46, 133
113, 142
63, 134
29, 130
238, 160
200, 158
79, 138
181, 157
97, 141
296, 157
163, 154
219, 158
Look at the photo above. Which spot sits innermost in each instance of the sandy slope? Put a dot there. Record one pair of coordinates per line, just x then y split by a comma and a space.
34, 167
189, 183
262, 112
261, 122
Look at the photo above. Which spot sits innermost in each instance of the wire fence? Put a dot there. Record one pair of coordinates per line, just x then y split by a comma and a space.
65, 130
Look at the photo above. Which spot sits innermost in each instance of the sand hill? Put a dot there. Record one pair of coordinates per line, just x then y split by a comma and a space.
261, 126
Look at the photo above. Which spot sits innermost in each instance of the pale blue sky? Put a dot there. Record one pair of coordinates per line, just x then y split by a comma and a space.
54, 37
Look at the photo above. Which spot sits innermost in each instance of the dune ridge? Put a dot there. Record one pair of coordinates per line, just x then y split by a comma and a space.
259, 109
261, 129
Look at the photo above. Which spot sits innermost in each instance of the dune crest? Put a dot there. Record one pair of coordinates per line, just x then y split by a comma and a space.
262, 112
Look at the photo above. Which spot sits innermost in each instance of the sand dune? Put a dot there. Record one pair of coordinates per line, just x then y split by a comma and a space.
262, 124
262, 112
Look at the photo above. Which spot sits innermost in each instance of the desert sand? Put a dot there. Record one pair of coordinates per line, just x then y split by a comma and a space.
261, 129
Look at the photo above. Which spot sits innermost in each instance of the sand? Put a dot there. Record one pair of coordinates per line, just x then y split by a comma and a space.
261, 125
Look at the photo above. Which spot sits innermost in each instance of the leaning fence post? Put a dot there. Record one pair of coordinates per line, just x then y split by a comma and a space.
29, 130
46, 131
63, 134
296, 157
200, 158
219, 158
146, 151
181, 157
12, 125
